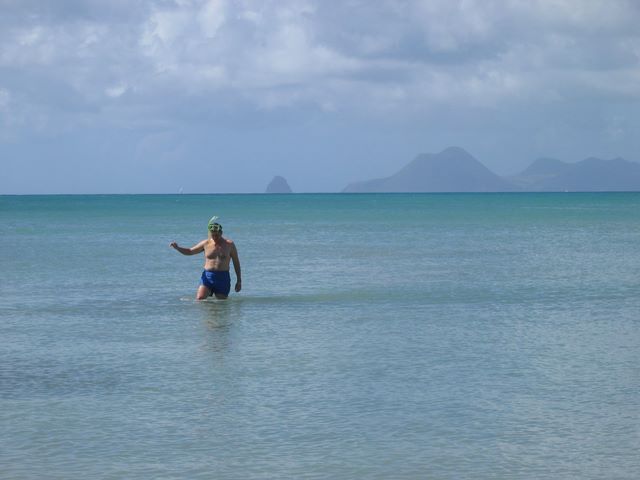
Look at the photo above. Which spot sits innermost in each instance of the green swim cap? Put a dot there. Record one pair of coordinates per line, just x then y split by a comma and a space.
214, 226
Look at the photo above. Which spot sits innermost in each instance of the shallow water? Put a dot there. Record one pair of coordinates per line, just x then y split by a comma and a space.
376, 336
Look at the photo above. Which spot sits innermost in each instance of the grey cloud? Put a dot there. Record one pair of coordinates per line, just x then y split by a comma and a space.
32, 12
103, 50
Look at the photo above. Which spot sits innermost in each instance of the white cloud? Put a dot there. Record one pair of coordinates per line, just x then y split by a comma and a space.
251, 16
211, 17
164, 27
451, 25
116, 90
292, 56
378, 57
29, 37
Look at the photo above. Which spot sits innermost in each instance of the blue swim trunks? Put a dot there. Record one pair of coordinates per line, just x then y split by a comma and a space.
216, 282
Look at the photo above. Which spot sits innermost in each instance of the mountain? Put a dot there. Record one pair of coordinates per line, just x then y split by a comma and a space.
278, 185
592, 174
539, 172
452, 170
455, 170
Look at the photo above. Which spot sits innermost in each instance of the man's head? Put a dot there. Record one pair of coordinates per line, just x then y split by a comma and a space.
214, 227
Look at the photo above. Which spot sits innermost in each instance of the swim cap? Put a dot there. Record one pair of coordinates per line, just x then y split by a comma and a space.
213, 225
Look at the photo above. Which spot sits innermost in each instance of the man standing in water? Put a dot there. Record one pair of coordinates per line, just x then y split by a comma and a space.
218, 253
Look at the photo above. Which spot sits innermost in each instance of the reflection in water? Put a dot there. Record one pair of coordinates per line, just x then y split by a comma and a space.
218, 317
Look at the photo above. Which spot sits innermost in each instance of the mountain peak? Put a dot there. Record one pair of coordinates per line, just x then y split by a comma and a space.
451, 170
454, 151
278, 185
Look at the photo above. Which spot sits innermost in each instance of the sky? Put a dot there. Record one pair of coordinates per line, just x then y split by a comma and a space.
219, 96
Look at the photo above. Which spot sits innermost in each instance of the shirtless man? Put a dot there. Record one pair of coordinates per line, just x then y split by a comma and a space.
218, 252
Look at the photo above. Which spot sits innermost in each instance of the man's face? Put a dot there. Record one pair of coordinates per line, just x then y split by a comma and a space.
215, 229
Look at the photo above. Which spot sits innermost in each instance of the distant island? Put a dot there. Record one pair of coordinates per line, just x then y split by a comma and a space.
589, 175
455, 170
278, 185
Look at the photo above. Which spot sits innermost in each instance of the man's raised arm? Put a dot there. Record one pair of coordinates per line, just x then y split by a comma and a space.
189, 251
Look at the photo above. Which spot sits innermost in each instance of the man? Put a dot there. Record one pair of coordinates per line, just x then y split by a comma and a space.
218, 253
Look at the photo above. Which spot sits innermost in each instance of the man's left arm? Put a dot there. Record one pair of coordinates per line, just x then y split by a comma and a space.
236, 267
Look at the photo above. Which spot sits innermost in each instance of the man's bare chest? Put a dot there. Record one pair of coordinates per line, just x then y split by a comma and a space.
217, 251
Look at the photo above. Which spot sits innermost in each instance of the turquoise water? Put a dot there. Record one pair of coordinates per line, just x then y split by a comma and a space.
376, 336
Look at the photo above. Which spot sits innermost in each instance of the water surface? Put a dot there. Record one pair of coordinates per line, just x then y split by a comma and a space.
377, 336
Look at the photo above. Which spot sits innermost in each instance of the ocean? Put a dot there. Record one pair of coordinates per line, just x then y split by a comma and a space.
376, 336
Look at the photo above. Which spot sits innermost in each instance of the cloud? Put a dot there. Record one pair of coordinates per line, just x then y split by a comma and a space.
287, 53
116, 90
